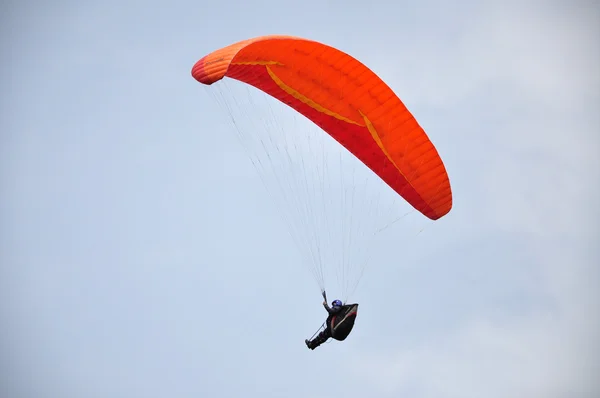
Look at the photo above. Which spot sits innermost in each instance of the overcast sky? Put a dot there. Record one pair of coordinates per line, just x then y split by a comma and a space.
141, 255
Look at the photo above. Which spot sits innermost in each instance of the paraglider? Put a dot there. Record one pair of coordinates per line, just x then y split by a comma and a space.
353, 105
349, 102
338, 325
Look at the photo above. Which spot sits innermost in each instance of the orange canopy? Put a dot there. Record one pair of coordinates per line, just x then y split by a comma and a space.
349, 102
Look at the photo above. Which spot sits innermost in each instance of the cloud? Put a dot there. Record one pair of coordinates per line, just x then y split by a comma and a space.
491, 358
138, 233
519, 86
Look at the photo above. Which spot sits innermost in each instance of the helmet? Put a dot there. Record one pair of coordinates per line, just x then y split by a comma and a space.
336, 303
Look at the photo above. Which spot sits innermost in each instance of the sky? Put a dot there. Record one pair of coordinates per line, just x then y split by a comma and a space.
141, 256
